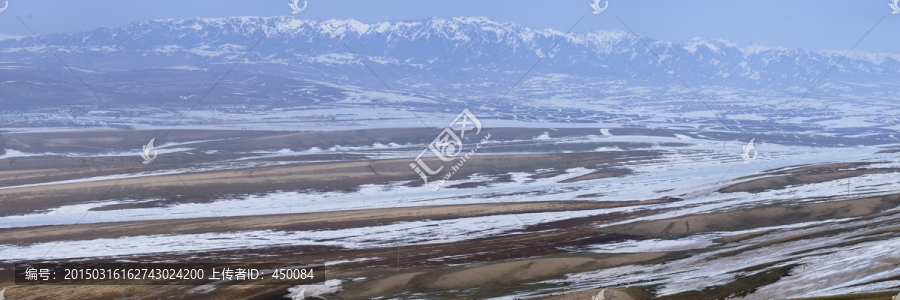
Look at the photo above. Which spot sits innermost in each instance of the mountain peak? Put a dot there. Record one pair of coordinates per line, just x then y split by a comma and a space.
438, 46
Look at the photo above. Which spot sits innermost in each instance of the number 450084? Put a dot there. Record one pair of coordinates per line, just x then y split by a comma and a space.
292, 274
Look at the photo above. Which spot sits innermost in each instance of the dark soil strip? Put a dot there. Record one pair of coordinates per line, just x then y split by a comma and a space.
739, 288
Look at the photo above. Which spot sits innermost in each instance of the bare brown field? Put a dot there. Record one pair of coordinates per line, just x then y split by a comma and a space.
742, 286
823, 168
511, 262
205, 186
761, 217
249, 140
797, 178
889, 151
860, 296
740, 237
86, 141
329, 220
329, 176
519, 259
414, 275
386, 281
610, 294
419, 259
420, 273
494, 274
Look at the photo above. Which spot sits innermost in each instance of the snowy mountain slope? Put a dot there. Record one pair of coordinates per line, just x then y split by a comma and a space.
457, 44
453, 59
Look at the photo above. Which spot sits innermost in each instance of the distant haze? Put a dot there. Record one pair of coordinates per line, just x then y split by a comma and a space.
806, 24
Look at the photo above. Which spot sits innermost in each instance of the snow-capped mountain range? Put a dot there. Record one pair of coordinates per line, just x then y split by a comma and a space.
438, 53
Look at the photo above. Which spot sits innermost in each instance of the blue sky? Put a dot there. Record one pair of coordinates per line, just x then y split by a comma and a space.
807, 24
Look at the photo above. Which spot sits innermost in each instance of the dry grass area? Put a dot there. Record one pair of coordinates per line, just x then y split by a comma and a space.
299, 221
782, 181
760, 217
207, 186
467, 269
860, 296
741, 286
385, 281
494, 274
889, 151
529, 263
740, 237
223, 291
610, 294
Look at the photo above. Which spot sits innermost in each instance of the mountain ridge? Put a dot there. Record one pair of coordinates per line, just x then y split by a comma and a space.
444, 55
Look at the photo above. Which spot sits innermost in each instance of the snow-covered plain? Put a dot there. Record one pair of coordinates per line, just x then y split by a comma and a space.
684, 172
689, 172
849, 265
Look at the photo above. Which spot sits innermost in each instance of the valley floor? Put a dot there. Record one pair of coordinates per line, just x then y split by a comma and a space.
550, 213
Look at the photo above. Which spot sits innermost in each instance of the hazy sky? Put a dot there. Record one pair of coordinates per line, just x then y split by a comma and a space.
807, 24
